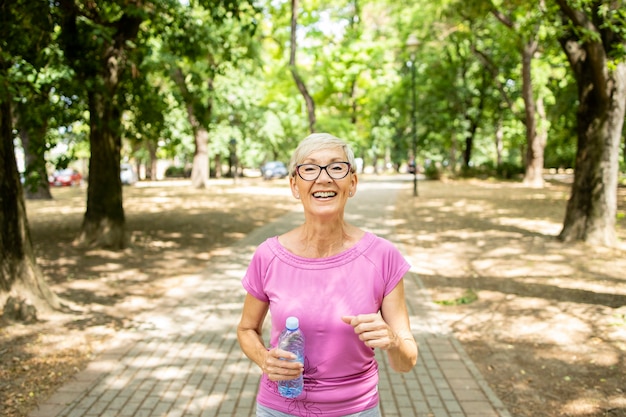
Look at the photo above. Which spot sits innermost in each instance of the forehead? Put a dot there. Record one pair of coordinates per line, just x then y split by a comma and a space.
330, 154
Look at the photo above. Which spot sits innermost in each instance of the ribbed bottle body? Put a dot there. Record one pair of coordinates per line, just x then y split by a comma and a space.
292, 340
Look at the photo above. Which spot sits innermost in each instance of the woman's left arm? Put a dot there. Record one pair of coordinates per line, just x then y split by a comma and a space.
389, 330
402, 354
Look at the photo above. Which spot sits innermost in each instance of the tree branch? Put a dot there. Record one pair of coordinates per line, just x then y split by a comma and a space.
589, 51
494, 73
505, 20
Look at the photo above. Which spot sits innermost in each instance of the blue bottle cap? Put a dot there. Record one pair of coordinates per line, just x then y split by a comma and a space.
292, 323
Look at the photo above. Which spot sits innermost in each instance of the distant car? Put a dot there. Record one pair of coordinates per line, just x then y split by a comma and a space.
127, 174
274, 169
65, 178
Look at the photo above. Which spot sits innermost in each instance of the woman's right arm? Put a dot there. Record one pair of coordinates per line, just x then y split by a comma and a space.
250, 336
250, 330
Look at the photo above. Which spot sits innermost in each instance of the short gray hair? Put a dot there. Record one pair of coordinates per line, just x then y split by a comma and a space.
320, 141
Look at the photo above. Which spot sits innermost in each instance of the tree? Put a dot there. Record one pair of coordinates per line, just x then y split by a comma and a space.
145, 124
196, 48
594, 40
96, 40
310, 104
19, 274
534, 109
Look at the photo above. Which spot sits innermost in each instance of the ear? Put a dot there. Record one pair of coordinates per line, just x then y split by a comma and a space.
353, 182
294, 188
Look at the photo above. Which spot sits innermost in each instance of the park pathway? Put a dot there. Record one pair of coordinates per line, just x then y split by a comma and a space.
183, 358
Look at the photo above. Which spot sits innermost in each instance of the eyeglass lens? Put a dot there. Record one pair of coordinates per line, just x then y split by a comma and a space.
336, 170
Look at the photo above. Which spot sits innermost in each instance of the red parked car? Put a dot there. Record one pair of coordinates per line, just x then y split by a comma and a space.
65, 178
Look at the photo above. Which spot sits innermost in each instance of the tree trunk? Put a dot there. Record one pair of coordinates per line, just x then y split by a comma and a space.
592, 207
533, 175
217, 163
453, 153
100, 62
474, 122
19, 274
536, 136
471, 134
310, 104
151, 167
32, 127
36, 185
499, 142
104, 222
200, 170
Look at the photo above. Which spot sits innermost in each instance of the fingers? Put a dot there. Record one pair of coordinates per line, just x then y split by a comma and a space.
372, 330
280, 365
364, 322
348, 319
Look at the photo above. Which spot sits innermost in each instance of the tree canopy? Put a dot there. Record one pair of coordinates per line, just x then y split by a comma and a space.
489, 88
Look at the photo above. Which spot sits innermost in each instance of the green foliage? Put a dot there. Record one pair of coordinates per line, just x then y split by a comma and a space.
433, 171
177, 172
234, 56
507, 170
468, 297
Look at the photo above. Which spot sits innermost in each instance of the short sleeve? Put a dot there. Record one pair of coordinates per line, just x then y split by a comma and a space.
253, 280
390, 262
397, 268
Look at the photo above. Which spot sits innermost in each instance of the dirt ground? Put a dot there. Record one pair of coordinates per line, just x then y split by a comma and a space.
544, 322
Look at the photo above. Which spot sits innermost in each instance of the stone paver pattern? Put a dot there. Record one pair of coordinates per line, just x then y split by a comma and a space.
183, 358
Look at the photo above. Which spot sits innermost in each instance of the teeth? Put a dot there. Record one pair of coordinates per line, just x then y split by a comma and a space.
323, 194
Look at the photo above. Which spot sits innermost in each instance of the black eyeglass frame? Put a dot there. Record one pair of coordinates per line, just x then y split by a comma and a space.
323, 168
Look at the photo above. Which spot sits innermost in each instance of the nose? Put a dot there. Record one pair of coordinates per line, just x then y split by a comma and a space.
324, 170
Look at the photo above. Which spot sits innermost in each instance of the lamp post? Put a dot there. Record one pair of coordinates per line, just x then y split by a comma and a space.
412, 43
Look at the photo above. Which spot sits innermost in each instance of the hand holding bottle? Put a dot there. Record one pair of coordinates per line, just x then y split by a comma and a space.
280, 365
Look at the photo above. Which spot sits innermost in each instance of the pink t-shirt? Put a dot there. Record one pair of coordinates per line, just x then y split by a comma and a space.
340, 372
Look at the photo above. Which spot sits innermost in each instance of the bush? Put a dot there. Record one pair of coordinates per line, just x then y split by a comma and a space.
177, 172
432, 171
509, 170
506, 170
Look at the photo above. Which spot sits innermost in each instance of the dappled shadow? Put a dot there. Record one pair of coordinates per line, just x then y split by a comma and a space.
172, 231
96, 319
521, 288
175, 294
83, 296
577, 389
184, 351
546, 323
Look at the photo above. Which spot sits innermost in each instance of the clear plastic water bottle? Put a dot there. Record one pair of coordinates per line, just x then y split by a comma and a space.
291, 339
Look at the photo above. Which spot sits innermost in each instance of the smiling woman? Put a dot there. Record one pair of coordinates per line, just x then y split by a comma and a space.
322, 256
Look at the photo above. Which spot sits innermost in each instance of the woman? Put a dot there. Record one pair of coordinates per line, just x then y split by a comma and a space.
344, 285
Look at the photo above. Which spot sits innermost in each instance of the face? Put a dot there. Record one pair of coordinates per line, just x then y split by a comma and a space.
324, 195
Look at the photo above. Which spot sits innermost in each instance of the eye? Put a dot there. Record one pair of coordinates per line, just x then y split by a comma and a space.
336, 167
308, 168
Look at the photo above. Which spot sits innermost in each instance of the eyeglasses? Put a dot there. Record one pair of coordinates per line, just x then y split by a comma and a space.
311, 172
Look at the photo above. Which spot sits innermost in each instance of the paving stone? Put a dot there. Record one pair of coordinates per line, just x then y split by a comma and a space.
183, 358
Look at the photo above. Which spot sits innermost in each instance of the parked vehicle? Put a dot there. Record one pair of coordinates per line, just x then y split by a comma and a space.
65, 178
127, 174
274, 169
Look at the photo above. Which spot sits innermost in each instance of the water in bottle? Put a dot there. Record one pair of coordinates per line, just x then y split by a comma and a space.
291, 339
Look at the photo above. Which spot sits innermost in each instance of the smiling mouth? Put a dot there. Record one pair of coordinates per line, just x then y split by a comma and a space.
324, 194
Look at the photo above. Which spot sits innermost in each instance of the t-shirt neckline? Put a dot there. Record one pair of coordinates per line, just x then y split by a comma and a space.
338, 259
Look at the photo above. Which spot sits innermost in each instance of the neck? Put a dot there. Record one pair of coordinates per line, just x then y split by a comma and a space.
321, 240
